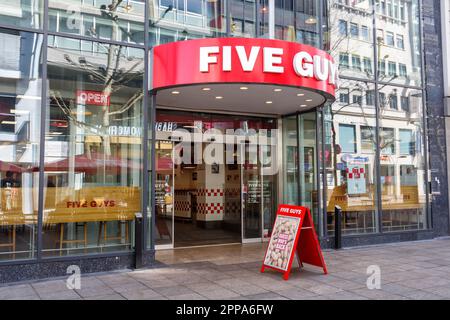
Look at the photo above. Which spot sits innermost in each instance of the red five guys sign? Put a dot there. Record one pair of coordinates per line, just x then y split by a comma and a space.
243, 60
293, 233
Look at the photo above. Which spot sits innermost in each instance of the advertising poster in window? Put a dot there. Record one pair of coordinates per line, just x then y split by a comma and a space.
282, 242
356, 179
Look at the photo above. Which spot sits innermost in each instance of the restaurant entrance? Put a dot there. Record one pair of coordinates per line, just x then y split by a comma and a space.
216, 180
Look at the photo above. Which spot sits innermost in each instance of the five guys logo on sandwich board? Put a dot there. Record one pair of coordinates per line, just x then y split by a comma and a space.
293, 235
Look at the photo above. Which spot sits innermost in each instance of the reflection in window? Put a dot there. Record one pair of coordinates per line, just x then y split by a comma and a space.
402, 43
104, 19
20, 13
20, 105
298, 21
387, 141
347, 138
93, 148
403, 165
243, 18
290, 163
367, 139
179, 20
350, 142
357, 17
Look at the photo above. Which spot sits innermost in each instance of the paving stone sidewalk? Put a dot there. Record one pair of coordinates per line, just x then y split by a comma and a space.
412, 270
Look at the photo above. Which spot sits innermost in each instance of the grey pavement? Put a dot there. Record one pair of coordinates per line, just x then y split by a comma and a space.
412, 270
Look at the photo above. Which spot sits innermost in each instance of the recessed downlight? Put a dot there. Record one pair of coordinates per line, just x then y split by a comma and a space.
219, 97
243, 88
308, 100
269, 102
206, 89
300, 94
303, 105
277, 90
175, 92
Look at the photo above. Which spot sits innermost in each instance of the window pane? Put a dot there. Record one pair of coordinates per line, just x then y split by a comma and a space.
290, 163
347, 138
197, 19
406, 31
343, 27
92, 149
20, 117
22, 13
104, 19
356, 62
402, 162
297, 21
243, 18
350, 141
357, 17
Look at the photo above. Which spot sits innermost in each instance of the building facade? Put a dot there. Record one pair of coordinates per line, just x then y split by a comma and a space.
94, 167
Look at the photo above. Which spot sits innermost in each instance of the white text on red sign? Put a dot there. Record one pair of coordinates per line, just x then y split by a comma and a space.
304, 64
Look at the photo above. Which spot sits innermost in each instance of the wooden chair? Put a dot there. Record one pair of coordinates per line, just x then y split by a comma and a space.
62, 241
103, 232
11, 240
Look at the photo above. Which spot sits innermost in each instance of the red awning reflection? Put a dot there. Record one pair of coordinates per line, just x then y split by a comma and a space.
5, 167
92, 164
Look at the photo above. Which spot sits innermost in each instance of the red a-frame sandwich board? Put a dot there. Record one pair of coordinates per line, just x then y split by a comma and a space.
293, 223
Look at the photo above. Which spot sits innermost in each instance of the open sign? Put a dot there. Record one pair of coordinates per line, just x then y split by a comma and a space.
95, 98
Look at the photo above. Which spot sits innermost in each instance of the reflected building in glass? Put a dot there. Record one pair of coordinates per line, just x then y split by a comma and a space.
88, 159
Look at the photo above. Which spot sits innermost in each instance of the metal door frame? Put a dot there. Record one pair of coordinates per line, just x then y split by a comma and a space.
172, 245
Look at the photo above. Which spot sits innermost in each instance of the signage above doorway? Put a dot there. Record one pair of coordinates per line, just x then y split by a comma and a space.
237, 74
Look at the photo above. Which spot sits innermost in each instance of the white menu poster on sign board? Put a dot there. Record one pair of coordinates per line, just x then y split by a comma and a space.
282, 242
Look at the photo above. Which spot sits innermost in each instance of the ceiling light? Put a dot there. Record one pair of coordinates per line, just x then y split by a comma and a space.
8, 122
300, 94
175, 92
277, 90
21, 96
303, 105
243, 88
269, 102
206, 89
219, 97
308, 100
81, 113
15, 111
311, 20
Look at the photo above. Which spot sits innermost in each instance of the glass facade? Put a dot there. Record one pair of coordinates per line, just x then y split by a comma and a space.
20, 113
93, 156
377, 171
82, 151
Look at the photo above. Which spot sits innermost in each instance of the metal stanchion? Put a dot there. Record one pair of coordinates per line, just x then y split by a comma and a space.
138, 239
337, 227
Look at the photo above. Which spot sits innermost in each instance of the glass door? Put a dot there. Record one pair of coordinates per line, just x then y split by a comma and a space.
251, 194
259, 174
307, 159
164, 193
269, 177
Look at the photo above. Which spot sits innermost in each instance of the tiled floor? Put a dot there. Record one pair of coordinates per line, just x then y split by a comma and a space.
413, 270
